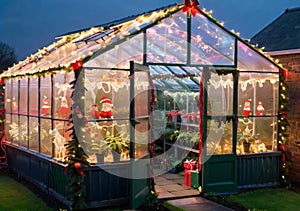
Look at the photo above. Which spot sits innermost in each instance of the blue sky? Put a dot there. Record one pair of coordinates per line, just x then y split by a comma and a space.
28, 25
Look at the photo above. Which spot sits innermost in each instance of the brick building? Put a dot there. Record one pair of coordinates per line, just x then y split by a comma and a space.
281, 40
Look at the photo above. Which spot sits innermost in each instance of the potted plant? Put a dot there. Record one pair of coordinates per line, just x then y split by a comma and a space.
99, 148
118, 144
246, 141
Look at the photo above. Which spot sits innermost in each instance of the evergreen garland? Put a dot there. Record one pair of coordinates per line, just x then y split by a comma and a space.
3, 158
76, 156
283, 136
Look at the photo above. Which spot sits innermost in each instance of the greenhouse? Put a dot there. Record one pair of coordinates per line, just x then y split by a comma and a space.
120, 103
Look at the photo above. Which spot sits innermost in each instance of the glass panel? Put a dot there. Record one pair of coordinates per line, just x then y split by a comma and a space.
141, 138
46, 142
257, 135
45, 96
171, 83
167, 42
219, 137
59, 136
107, 93
141, 94
33, 134
101, 141
248, 59
11, 128
191, 83
258, 94
142, 100
220, 94
33, 98
107, 100
62, 95
192, 70
24, 96
210, 44
159, 70
15, 96
8, 93
120, 55
24, 131
15, 129
177, 70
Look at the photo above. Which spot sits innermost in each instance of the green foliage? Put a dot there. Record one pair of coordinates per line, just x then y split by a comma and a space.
283, 123
275, 199
283, 136
15, 196
75, 153
7, 56
117, 142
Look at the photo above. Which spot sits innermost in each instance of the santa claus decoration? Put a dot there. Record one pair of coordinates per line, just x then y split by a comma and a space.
247, 108
106, 110
260, 109
64, 106
95, 112
45, 106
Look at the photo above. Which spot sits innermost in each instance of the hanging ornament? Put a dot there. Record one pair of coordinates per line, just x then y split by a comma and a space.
169, 102
45, 106
247, 108
260, 109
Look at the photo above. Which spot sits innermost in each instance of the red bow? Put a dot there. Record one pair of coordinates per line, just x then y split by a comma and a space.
77, 166
191, 7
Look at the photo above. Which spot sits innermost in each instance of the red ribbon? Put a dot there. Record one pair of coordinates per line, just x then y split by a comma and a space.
281, 148
201, 92
191, 8
76, 65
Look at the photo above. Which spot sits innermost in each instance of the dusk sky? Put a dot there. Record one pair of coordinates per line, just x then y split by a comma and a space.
29, 25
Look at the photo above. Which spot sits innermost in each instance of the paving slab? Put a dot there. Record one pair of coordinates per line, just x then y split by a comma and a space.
198, 204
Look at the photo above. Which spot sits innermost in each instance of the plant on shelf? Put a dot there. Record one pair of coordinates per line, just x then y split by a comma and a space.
246, 139
118, 144
99, 148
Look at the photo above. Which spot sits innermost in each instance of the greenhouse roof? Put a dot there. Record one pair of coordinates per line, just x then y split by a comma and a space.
194, 39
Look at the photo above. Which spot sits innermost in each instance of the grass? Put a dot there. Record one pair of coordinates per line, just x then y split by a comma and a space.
14, 196
273, 199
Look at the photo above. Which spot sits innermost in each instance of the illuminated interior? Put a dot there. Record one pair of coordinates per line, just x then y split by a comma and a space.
241, 88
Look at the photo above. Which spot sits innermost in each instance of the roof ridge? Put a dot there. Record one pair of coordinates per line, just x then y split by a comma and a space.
292, 9
120, 20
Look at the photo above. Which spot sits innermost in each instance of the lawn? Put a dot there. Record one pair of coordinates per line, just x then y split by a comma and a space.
272, 199
15, 196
